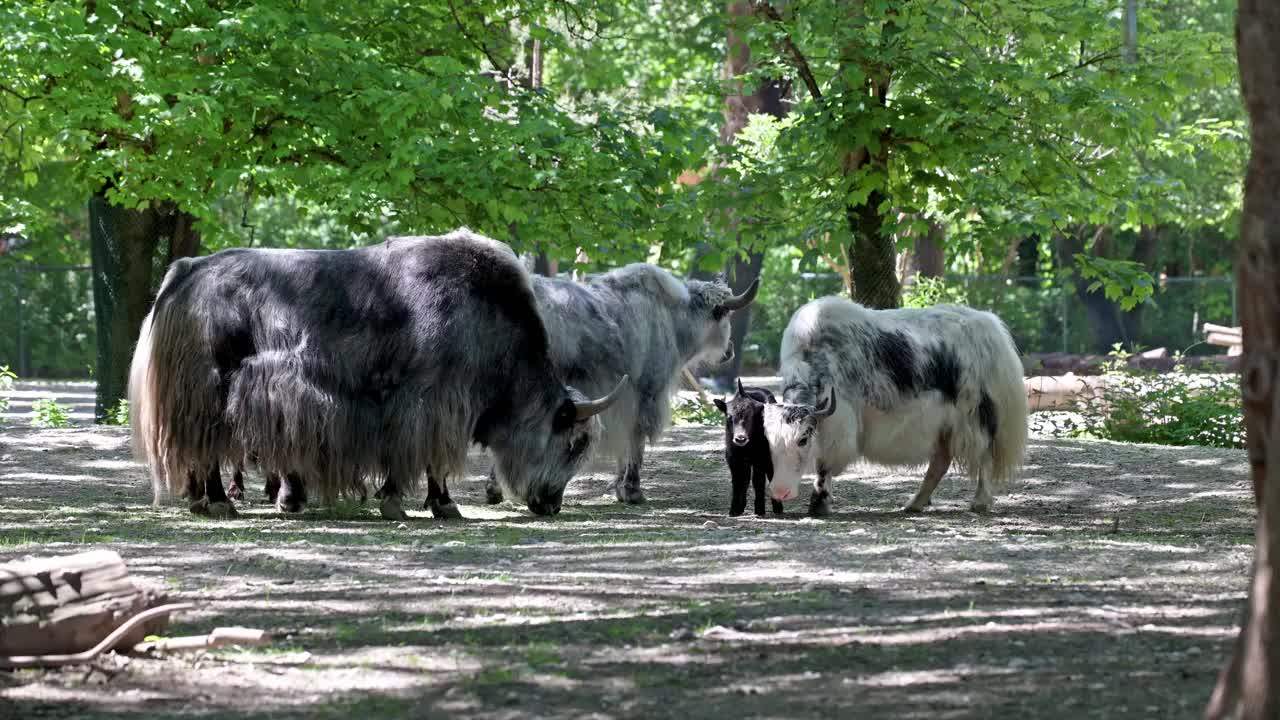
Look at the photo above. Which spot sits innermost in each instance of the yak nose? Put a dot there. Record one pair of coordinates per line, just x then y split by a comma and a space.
739, 440
728, 355
537, 506
781, 494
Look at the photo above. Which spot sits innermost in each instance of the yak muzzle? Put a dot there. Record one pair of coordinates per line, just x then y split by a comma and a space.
544, 508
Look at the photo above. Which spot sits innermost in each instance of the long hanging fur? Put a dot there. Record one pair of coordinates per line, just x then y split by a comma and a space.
383, 361
906, 375
638, 320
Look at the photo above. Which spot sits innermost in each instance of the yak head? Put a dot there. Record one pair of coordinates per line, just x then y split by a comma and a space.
744, 413
705, 337
538, 457
792, 430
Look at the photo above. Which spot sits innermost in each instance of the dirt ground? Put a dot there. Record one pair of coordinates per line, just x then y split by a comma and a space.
1106, 585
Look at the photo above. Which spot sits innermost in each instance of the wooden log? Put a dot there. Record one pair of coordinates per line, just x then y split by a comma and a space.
1221, 329
218, 638
66, 605
1048, 392
1223, 339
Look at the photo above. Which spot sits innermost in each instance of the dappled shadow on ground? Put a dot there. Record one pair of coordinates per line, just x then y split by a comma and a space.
1106, 585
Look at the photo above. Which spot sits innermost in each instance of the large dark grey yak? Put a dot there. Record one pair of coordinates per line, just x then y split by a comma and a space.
641, 321
381, 362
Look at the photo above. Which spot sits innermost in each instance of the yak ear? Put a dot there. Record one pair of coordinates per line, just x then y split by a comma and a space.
720, 404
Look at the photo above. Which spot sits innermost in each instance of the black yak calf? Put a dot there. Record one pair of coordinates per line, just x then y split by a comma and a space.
746, 449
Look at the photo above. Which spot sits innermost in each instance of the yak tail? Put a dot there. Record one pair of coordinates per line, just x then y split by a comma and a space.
147, 391
1008, 392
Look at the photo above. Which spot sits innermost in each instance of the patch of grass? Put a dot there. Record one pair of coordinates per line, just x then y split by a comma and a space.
7, 380
1177, 408
47, 413
119, 415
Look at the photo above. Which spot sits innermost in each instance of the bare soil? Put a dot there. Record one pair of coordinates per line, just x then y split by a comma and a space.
1107, 584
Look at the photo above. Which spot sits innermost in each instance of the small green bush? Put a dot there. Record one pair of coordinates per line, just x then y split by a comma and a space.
119, 415
47, 413
7, 380
1176, 408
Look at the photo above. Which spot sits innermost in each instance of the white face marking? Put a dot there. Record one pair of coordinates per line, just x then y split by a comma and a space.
791, 431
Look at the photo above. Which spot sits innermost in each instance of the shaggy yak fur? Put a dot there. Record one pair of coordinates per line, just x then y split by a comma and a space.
379, 362
641, 321
746, 449
906, 387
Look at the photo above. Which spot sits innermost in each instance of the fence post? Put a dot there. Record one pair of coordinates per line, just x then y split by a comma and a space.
1066, 313
1235, 318
23, 368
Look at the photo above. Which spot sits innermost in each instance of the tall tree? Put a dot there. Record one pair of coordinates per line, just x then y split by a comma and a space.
376, 110
746, 94
1249, 686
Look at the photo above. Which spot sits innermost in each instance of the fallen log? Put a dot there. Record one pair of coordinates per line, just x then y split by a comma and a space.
1223, 339
218, 638
1221, 330
1048, 392
68, 605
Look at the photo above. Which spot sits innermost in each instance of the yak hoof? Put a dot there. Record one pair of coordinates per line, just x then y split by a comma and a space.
493, 494
289, 505
916, 506
777, 507
200, 507
391, 510
222, 510
630, 494
819, 506
447, 511
981, 507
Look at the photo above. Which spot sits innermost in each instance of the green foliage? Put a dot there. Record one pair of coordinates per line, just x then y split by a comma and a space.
7, 380
786, 283
1120, 280
47, 413
1177, 408
422, 117
695, 412
119, 415
926, 292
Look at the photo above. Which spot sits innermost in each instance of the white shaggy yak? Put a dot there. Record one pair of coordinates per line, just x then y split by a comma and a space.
898, 388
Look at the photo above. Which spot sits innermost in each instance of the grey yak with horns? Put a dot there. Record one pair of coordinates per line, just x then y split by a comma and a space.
640, 321
383, 362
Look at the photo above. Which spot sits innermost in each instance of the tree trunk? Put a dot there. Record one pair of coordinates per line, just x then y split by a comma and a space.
123, 245
930, 255
872, 257
64, 605
768, 98
1249, 686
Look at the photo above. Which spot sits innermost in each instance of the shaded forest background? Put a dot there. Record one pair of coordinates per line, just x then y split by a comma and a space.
1065, 164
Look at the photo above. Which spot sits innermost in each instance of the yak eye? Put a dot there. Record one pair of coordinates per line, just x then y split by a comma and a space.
804, 441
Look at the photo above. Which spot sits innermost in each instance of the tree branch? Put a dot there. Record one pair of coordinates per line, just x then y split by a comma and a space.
802, 65
25, 99
1108, 55
505, 69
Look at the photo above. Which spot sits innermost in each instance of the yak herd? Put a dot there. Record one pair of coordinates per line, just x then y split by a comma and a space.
379, 367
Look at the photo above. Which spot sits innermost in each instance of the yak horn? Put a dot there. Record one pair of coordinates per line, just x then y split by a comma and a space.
595, 407
737, 302
741, 392
827, 409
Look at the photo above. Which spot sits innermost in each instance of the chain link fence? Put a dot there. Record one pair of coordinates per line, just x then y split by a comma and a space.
47, 322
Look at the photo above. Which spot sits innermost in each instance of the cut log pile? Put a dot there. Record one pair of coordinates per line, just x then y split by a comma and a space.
1228, 337
68, 610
